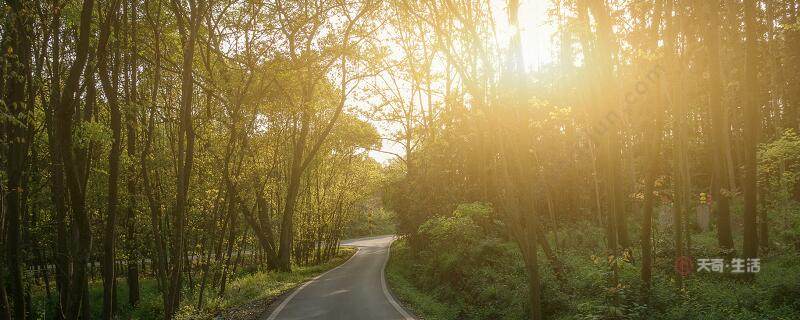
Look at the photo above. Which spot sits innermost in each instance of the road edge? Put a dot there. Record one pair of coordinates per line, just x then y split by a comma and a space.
286, 301
405, 314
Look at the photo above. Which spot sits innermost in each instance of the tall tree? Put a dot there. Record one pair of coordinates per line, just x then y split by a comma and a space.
752, 122
304, 146
188, 24
651, 162
719, 131
131, 122
109, 73
17, 46
73, 161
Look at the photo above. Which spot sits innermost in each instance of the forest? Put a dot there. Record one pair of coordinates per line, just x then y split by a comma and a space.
536, 159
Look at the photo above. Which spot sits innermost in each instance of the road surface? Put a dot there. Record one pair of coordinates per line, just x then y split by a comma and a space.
355, 290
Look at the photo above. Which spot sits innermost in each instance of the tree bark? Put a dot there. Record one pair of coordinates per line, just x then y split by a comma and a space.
131, 243
186, 137
57, 188
77, 302
18, 45
752, 123
109, 79
720, 133
647, 210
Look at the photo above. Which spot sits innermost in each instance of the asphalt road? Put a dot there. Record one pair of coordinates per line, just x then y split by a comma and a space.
355, 290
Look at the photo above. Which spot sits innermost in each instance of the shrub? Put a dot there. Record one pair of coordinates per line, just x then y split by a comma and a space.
464, 263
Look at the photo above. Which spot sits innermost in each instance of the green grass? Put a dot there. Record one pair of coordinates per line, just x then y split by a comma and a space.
244, 288
267, 285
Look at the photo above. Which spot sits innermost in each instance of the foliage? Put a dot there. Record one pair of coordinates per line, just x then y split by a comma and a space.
157, 131
487, 290
463, 265
371, 220
399, 274
779, 166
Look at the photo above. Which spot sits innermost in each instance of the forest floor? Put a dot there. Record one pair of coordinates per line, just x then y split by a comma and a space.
248, 294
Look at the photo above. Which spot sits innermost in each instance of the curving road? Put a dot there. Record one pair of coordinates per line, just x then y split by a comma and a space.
355, 290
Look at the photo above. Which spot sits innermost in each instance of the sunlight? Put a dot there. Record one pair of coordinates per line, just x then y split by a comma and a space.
357, 159
537, 28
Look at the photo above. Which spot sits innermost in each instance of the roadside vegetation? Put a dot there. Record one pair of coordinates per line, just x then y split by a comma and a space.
466, 269
249, 293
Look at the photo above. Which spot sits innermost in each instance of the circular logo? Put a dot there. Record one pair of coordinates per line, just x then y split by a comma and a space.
684, 265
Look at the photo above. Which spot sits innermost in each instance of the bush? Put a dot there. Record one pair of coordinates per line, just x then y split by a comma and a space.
461, 268
463, 263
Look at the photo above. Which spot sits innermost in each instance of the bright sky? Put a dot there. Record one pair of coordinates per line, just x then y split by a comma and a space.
537, 44
537, 33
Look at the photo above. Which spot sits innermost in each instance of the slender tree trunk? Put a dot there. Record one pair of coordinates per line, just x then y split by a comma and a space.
77, 305
532, 268
752, 123
680, 170
653, 153
792, 83
262, 228
18, 44
57, 188
131, 243
186, 139
159, 258
721, 190
647, 210
5, 310
232, 216
293, 188
109, 78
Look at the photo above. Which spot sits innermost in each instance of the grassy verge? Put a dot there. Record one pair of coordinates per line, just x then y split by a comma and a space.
246, 296
423, 304
249, 295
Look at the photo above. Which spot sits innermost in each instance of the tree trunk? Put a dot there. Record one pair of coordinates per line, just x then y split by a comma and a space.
131, 124
232, 217
292, 191
532, 267
57, 188
792, 87
720, 133
647, 210
185, 155
752, 123
18, 42
109, 78
77, 302
262, 228
159, 258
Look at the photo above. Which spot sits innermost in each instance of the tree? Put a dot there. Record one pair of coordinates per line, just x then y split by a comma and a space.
720, 134
188, 24
752, 121
18, 114
109, 78
72, 160
305, 148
